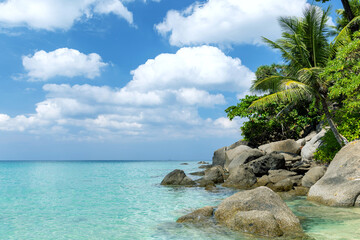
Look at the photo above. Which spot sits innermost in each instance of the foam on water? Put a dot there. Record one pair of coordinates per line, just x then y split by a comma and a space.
123, 200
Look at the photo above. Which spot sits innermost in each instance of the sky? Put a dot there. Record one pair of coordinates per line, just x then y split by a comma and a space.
129, 79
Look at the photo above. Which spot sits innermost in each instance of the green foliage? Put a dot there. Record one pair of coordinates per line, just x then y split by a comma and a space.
342, 19
266, 125
343, 73
328, 149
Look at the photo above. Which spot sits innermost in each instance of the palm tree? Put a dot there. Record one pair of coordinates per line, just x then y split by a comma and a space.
306, 51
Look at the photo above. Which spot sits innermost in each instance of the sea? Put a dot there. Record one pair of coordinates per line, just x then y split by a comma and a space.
49, 200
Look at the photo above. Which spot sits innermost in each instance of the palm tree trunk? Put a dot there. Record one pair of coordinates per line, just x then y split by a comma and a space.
341, 140
350, 15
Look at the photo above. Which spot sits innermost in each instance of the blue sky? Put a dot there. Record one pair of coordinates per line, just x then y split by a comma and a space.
129, 79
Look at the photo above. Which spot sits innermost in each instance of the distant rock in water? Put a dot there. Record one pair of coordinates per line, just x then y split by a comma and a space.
340, 186
203, 162
184, 164
200, 173
177, 177
259, 211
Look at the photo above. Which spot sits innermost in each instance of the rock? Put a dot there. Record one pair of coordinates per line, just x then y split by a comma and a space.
289, 146
301, 167
340, 186
238, 143
241, 178
184, 164
262, 165
205, 166
177, 177
259, 211
205, 183
215, 174
301, 191
203, 162
219, 157
263, 181
290, 157
313, 175
279, 175
283, 185
245, 157
310, 136
307, 152
301, 141
232, 153
201, 173
198, 216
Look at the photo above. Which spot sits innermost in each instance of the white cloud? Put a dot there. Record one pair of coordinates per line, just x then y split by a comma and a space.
228, 21
203, 67
161, 101
62, 62
55, 14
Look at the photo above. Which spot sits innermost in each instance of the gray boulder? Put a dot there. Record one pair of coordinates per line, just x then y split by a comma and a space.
307, 152
215, 174
310, 136
259, 211
177, 177
198, 216
238, 143
262, 165
245, 157
241, 178
313, 175
233, 153
289, 146
340, 186
279, 175
283, 185
219, 157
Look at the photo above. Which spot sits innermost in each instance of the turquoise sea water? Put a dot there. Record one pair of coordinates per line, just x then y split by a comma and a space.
124, 200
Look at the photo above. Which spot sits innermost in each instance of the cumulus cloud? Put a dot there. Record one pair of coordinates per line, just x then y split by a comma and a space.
161, 101
228, 21
54, 14
62, 62
202, 67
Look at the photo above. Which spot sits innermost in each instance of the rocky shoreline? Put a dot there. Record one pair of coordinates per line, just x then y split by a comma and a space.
265, 174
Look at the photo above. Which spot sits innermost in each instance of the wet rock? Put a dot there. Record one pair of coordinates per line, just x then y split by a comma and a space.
177, 177
340, 186
313, 175
198, 216
259, 211
289, 146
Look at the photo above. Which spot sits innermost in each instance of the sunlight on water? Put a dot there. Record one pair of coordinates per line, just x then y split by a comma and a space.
123, 200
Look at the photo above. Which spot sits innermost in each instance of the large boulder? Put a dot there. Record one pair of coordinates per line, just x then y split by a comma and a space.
215, 174
262, 165
241, 178
219, 157
259, 211
177, 177
233, 153
307, 152
313, 175
340, 186
245, 157
288, 146
198, 216
238, 143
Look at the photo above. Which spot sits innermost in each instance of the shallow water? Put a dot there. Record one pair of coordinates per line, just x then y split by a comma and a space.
123, 200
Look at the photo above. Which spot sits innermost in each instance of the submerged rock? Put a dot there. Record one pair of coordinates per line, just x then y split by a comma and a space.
198, 216
177, 177
340, 186
259, 211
